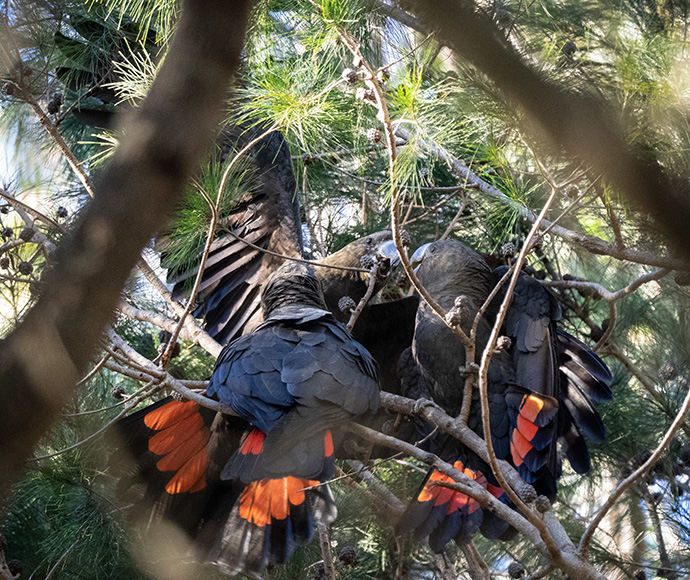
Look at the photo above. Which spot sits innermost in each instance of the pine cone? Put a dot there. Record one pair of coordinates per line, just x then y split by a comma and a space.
516, 570
503, 343
7, 233
596, 333
25, 268
405, 238
346, 305
15, 567
508, 250
526, 492
5, 209
4, 262
55, 103
350, 76
374, 135
543, 504
178, 396
118, 392
27, 234
8, 89
348, 555
62, 212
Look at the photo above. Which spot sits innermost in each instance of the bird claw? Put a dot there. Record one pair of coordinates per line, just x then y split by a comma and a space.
178, 397
460, 311
503, 343
421, 404
469, 369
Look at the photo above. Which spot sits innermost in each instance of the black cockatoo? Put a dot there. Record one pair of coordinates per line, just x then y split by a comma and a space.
236, 483
540, 389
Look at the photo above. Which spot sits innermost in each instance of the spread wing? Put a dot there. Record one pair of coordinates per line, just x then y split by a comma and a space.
267, 217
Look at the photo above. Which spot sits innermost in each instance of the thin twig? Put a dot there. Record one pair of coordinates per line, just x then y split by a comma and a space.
489, 350
373, 275
61, 559
128, 407
604, 292
456, 218
95, 369
633, 477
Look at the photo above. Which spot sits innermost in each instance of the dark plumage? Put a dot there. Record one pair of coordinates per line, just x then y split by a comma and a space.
540, 389
291, 382
269, 218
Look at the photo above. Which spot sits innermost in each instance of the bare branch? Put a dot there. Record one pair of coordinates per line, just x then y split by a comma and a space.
633, 477
326, 551
373, 275
602, 291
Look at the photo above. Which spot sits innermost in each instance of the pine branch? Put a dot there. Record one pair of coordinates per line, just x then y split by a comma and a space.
633, 477
588, 242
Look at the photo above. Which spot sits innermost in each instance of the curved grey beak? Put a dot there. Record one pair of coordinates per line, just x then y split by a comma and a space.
418, 256
388, 250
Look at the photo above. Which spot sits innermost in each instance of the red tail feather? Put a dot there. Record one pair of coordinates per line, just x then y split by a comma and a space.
267, 500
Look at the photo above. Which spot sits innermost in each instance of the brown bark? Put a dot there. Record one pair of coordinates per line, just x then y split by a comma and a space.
41, 362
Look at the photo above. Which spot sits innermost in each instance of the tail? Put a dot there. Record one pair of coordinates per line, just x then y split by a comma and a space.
271, 518
274, 515
443, 514
189, 466
533, 427
584, 379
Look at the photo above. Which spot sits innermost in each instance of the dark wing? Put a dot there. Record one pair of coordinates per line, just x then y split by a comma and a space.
533, 406
549, 361
268, 217
584, 378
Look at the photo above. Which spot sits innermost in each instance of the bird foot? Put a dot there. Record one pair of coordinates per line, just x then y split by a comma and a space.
469, 370
421, 404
